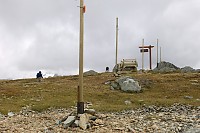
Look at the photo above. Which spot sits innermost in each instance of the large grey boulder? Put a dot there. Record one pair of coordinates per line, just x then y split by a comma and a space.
167, 64
126, 84
130, 85
165, 67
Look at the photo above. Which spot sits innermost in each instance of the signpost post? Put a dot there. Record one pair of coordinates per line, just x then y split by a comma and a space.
80, 103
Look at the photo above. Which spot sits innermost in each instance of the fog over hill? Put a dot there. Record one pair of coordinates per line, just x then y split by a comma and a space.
44, 35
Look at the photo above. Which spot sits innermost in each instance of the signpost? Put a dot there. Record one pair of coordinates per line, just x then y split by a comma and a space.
145, 49
80, 103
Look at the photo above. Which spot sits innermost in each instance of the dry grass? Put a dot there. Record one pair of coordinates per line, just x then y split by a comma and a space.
61, 92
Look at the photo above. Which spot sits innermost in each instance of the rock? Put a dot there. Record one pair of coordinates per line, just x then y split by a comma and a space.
126, 84
10, 114
1, 116
167, 70
187, 69
130, 86
166, 64
90, 73
112, 88
84, 119
120, 80
197, 70
193, 130
188, 97
93, 118
107, 82
165, 67
75, 124
127, 102
99, 122
90, 111
115, 85
58, 122
69, 121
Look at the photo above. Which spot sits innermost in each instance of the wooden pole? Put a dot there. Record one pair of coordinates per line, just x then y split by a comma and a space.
157, 52
160, 54
80, 103
116, 41
142, 54
150, 61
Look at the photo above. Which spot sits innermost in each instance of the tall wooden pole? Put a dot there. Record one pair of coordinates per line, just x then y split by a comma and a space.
80, 103
160, 54
150, 60
142, 54
116, 41
157, 52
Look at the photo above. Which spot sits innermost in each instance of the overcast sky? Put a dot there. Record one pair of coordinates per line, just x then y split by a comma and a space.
44, 34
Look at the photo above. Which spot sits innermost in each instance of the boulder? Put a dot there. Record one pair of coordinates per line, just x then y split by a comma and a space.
130, 85
90, 73
126, 84
166, 64
187, 69
165, 67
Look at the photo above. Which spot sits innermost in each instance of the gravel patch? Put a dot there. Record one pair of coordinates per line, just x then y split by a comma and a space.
177, 118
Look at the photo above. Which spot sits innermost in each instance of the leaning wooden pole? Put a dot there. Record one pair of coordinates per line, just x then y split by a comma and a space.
80, 103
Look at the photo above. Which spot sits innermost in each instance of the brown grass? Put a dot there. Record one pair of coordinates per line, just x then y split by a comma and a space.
61, 92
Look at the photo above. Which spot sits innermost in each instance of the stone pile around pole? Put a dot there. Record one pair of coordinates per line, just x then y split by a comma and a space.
126, 84
81, 120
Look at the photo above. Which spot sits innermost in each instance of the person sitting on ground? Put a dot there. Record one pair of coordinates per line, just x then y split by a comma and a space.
39, 76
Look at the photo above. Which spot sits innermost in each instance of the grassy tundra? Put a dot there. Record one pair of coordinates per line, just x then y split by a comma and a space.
61, 92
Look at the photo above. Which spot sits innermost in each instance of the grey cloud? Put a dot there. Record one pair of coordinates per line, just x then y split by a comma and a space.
44, 35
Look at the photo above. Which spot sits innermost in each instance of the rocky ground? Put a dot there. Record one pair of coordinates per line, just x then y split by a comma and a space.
173, 119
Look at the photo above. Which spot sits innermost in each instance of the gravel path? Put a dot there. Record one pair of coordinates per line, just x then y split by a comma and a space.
152, 119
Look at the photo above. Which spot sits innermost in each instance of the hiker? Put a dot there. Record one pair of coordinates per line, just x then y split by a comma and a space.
39, 76
107, 69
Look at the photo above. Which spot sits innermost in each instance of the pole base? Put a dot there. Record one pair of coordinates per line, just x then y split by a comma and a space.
80, 107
